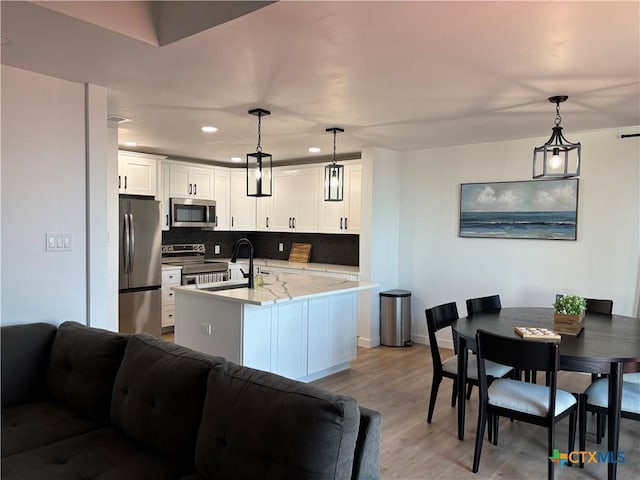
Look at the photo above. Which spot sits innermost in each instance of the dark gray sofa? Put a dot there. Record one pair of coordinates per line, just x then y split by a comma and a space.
80, 402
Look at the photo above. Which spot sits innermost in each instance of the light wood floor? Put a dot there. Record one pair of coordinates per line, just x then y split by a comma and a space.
397, 381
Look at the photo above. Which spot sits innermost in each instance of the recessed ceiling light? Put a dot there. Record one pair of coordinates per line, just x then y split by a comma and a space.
130, 144
236, 159
209, 129
314, 149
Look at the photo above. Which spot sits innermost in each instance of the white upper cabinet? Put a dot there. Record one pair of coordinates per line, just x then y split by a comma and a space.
242, 209
343, 217
294, 204
222, 196
186, 181
137, 173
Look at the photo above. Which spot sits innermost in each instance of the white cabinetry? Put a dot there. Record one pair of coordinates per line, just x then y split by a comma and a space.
137, 173
187, 181
344, 217
242, 209
331, 331
294, 205
170, 278
222, 196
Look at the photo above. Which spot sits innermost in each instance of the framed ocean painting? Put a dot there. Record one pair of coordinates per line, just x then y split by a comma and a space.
537, 209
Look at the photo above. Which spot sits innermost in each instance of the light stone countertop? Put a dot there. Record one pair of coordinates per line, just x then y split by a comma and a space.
282, 288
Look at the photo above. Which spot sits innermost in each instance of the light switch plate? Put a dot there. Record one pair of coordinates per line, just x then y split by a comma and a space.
281, 247
58, 242
216, 249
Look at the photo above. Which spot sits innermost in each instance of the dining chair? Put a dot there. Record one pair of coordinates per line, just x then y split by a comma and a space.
596, 399
483, 304
527, 402
597, 305
440, 317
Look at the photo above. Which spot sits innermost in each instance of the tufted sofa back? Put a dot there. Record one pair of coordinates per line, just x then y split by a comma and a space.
158, 396
260, 425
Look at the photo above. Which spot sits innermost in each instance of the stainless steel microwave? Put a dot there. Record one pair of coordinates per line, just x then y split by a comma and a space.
193, 212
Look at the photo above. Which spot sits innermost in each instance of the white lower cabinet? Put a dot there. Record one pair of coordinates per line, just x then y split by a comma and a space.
331, 331
170, 278
300, 339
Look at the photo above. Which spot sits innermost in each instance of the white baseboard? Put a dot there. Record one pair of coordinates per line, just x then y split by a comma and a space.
368, 343
424, 340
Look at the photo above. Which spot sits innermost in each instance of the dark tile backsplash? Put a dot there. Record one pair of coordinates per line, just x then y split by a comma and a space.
326, 248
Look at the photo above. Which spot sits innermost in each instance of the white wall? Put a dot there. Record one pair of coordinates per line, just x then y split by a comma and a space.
440, 267
53, 181
379, 236
43, 191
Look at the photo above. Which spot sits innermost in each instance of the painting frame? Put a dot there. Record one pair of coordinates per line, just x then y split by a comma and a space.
520, 209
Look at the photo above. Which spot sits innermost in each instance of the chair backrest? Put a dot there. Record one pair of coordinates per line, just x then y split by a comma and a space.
483, 304
439, 317
597, 305
520, 354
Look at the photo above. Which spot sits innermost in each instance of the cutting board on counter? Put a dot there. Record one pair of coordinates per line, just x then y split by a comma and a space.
300, 252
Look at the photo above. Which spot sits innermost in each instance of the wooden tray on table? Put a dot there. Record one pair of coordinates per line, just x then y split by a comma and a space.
538, 333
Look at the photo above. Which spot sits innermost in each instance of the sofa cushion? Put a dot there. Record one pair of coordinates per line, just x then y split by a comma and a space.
159, 394
260, 425
83, 367
103, 454
25, 354
32, 425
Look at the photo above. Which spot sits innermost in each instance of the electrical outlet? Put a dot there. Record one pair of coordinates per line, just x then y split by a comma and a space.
205, 328
280, 247
216, 249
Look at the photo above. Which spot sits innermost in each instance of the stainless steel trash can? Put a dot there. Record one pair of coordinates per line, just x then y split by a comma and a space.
395, 318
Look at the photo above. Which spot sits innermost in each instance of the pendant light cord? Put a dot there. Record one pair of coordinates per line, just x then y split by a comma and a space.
259, 147
334, 147
558, 119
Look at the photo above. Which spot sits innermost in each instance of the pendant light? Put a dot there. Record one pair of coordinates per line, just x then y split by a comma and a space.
334, 174
259, 164
558, 157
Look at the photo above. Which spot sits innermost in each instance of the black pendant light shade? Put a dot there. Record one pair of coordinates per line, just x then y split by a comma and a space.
558, 157
259, 164
334, 174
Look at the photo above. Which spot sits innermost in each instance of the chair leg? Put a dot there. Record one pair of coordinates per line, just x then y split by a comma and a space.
496, 423
572, 432
582, 430
435, 385
482, 421
490, 429
469, 388
551, 438
454, 393
601, 420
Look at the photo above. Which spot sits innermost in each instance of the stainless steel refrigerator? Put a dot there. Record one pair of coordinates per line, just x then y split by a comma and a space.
140, 265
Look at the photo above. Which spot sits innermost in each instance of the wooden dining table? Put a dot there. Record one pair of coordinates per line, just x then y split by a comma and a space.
608, 344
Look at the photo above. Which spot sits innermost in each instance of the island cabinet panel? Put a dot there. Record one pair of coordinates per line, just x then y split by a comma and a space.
332, 331
289, 345
210, 326
256, 337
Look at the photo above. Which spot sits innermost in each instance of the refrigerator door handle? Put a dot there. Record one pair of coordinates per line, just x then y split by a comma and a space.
133, 241
127, 243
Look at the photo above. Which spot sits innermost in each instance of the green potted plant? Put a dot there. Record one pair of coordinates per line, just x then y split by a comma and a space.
568, 314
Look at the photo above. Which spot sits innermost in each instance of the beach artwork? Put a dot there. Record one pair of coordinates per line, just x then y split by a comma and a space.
538, 209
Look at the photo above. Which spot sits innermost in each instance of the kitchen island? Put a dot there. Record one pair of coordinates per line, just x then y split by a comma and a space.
299, 326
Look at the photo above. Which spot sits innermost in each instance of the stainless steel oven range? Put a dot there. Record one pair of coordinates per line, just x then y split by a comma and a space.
195, 268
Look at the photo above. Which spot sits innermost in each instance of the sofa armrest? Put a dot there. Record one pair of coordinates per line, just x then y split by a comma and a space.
25, 356
366, 458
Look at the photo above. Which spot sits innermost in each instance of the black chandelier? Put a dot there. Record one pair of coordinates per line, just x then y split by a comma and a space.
558, 157
259, 164
334, 174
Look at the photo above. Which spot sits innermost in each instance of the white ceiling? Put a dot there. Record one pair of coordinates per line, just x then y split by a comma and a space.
397, 75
